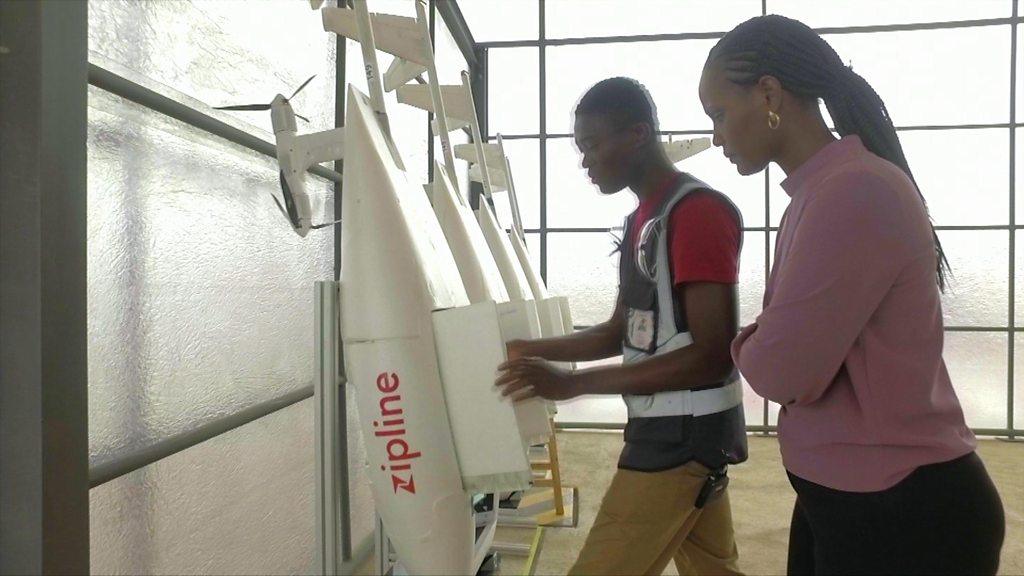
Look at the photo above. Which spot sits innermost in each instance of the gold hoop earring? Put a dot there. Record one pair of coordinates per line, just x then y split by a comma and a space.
774, 120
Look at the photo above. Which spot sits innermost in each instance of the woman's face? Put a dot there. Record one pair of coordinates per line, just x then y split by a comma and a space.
740, 118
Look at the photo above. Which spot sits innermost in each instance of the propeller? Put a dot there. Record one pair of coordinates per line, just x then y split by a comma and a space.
289, 210
259, 107
244, 107
299, 89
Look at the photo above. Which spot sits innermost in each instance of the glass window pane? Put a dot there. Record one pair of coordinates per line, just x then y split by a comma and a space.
221, 53
448, 58
778, 200
753, 405
1018, 382
450, 63
580, 261
496, 20
963, 174
752, 276
588, 18
747, 192
582, 267
240, 503
670, 70
1020, 71
409, 125
199, 291
1019, 177
961, 188
533, 247
513, 91
502, 209
594, 408
773, 413
524, 156
572, 200
816, 14
977, 363
904, 66
1018, 284
978, 293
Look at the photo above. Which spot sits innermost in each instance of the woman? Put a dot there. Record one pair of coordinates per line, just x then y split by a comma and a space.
850, 339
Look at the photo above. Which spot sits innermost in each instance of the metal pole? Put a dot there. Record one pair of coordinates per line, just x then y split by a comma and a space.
104, 472
1011, 317
452, 16
478, 141
339, 121
513, 200
479, 89
368, 46
440, 118
44, 447
543, 126
715, 35
143, 96
328, 462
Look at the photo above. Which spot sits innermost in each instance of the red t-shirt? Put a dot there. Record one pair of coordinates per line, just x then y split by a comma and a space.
704, 236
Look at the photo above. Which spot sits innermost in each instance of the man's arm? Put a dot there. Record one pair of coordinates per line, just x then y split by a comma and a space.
712, 317
705, 241
603, 340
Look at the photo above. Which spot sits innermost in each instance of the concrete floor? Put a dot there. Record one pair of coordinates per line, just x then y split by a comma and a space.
762, 502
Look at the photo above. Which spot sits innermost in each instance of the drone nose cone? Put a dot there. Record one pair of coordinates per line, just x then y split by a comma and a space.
399, 269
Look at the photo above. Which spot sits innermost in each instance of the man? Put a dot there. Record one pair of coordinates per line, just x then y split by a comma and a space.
674, 320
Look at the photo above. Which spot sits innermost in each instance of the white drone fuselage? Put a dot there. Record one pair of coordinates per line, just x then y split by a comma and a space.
295, 155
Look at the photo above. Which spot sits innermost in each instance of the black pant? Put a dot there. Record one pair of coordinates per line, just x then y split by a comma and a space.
944, 518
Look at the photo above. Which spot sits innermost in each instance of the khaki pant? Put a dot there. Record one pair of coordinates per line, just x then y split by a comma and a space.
648, 518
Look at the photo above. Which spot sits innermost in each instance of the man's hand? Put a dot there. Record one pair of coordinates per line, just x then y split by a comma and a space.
515, 349
526, 377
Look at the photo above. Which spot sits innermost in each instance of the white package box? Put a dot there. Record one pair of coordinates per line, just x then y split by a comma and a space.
488, 445
519, 321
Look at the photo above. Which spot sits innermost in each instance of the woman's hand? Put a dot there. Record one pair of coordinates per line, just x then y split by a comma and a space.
526, 377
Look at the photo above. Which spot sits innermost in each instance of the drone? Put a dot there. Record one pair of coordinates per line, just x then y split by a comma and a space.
295, 155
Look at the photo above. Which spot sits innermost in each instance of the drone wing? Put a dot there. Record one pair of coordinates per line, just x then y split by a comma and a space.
317, 147
682, 149
456, 102
399, 36
468, 153
400, 72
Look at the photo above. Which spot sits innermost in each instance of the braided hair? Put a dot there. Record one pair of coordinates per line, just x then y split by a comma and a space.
808, 67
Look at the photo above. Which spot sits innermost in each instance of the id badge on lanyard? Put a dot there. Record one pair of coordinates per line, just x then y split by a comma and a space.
641, 329
642, 325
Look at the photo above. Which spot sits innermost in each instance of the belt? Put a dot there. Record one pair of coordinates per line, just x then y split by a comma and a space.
685, 402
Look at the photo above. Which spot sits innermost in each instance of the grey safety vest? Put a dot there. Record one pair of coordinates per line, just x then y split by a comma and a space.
668, 429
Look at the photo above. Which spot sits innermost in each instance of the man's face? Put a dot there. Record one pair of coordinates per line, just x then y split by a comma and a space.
608, 151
